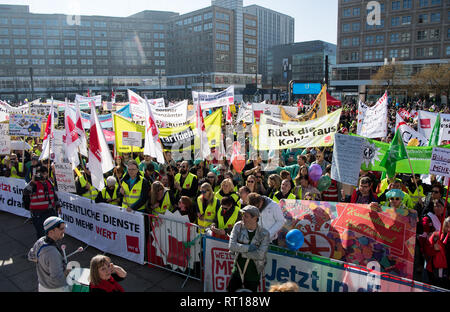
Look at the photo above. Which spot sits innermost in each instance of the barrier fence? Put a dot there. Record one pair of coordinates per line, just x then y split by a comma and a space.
172, 243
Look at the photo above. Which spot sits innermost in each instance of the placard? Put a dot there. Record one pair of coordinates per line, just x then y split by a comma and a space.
347, 158
5, 139
440, 162
131, 138
25, 125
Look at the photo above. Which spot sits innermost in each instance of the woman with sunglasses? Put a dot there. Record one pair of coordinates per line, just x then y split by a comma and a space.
254, 186
207, 207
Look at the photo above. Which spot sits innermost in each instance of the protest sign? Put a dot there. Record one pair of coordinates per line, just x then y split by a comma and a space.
426, 124
157, 102
172, 116
372, 121
137, 106
310, 272
440, 162
354, 233
215, 99
131, 138
5, 139
104, 226
42, 109
63, 168
347, 159
11, 191
271, 110
311, 133
25, 125
84, 101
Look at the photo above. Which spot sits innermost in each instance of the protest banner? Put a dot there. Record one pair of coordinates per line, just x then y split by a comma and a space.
215, 99
123, 124
137, 106
25, 125
372, 121
347, 159
173, 116
42, 109
312, 133
104, 226
426, 124
63, 168
245, 113
84, 101
409, 133
354, 233
440, 162
11, 191
374, 151
157, 102
5, 139
271, 110
311, 273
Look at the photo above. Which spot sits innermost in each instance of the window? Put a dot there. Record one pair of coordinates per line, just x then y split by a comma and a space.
52, 42
369, 40
423, 3
395, 37
222, 47
406, 37
207, 26
86, 43
368, 55
395, 5
251, 23
355, 26
395, 21
355, 41
379, 54
422, 34
99, 24
250, 32
345, 42
356, 11
52, 32
225, 27
435, 17
207, 15
379, 39
85, 33
407, 4
38, 42
393, 53
223, 16
345, 27
434, 34
3, 31
347, 12
18, 21
69, 32
406, 20
36, 32
423, 19
19, 32
404, 53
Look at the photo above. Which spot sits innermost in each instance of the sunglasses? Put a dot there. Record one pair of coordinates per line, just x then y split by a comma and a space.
250, 181
436, 192
395, 198
204, 192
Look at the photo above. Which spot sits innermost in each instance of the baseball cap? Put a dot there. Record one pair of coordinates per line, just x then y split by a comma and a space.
51, 223
254, 211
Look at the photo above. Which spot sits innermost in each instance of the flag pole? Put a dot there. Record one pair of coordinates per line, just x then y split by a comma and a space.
445, 207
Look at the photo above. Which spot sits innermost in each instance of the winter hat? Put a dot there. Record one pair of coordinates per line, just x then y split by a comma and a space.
51, 223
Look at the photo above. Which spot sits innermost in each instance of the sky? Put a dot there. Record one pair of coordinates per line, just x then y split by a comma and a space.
314, 20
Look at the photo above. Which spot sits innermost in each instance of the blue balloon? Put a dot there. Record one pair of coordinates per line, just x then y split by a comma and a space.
294, 239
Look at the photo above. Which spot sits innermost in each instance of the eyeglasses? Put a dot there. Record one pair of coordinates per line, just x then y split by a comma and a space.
250, 181
395, 198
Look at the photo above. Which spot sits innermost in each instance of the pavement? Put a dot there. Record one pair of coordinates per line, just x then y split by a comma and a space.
17, 274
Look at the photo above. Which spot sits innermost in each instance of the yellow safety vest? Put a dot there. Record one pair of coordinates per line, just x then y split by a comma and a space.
14, 172
92, 193
208, 215
232, 195
133, 195
115, 200
418, 193
299, 192
166, 205
187, 182
275, 198
231, 221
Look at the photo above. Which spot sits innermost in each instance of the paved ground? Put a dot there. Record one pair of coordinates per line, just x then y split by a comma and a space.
17, 274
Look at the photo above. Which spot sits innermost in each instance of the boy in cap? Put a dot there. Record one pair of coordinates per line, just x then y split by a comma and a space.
50, 263
249, 243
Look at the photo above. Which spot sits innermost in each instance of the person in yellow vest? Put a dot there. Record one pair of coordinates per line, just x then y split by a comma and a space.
134, 189
111, 193
211, 178
161, 199
227, 189
416, 193
207, 206
186, 183
15, 167
227, 215
304, 187
83, 185
274, 183
397, 185
284, 192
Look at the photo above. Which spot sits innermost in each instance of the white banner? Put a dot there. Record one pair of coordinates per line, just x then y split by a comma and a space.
409, 133
216, 99
103, 226
5, 139
132, 138
372, 121
172, 116
83, 101
11, 190
245, 113
137, 106
157, 102
347, 158
63, 168
271, 110
311, 133
440, 162
314, 274
427, 121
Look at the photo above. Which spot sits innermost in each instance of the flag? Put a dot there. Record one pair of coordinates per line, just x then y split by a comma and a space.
71, 139
237, 159
100, 159
434, 138
80, 130
47, 148
204, 150
396, 152
113, 96
229, 117
152, 145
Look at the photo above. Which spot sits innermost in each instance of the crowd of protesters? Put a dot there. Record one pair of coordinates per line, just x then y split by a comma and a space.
211, 192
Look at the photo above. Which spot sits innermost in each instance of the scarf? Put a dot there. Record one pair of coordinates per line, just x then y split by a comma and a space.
435, 220
109, 285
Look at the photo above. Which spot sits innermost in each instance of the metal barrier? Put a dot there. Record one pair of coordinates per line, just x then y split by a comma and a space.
175, 245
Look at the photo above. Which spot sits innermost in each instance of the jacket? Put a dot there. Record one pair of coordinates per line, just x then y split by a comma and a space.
239, 243
271, 218
50, 263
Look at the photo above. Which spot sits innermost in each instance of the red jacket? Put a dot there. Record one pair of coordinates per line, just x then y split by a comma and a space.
436, 259
110, 285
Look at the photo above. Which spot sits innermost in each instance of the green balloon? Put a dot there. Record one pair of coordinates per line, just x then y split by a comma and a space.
324, 183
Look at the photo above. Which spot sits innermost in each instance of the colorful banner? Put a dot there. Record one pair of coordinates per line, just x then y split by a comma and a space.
25, 125
372, 120
215, 99
312, 133
311, 273
103, 226
354, 233
409, 133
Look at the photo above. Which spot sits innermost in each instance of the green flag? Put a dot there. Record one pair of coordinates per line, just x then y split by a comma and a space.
396, 152
434, 138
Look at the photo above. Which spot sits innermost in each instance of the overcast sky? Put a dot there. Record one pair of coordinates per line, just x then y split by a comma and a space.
314, 20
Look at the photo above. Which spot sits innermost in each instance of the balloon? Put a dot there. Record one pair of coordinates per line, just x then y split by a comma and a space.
324, 183
315, 171
294, 239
